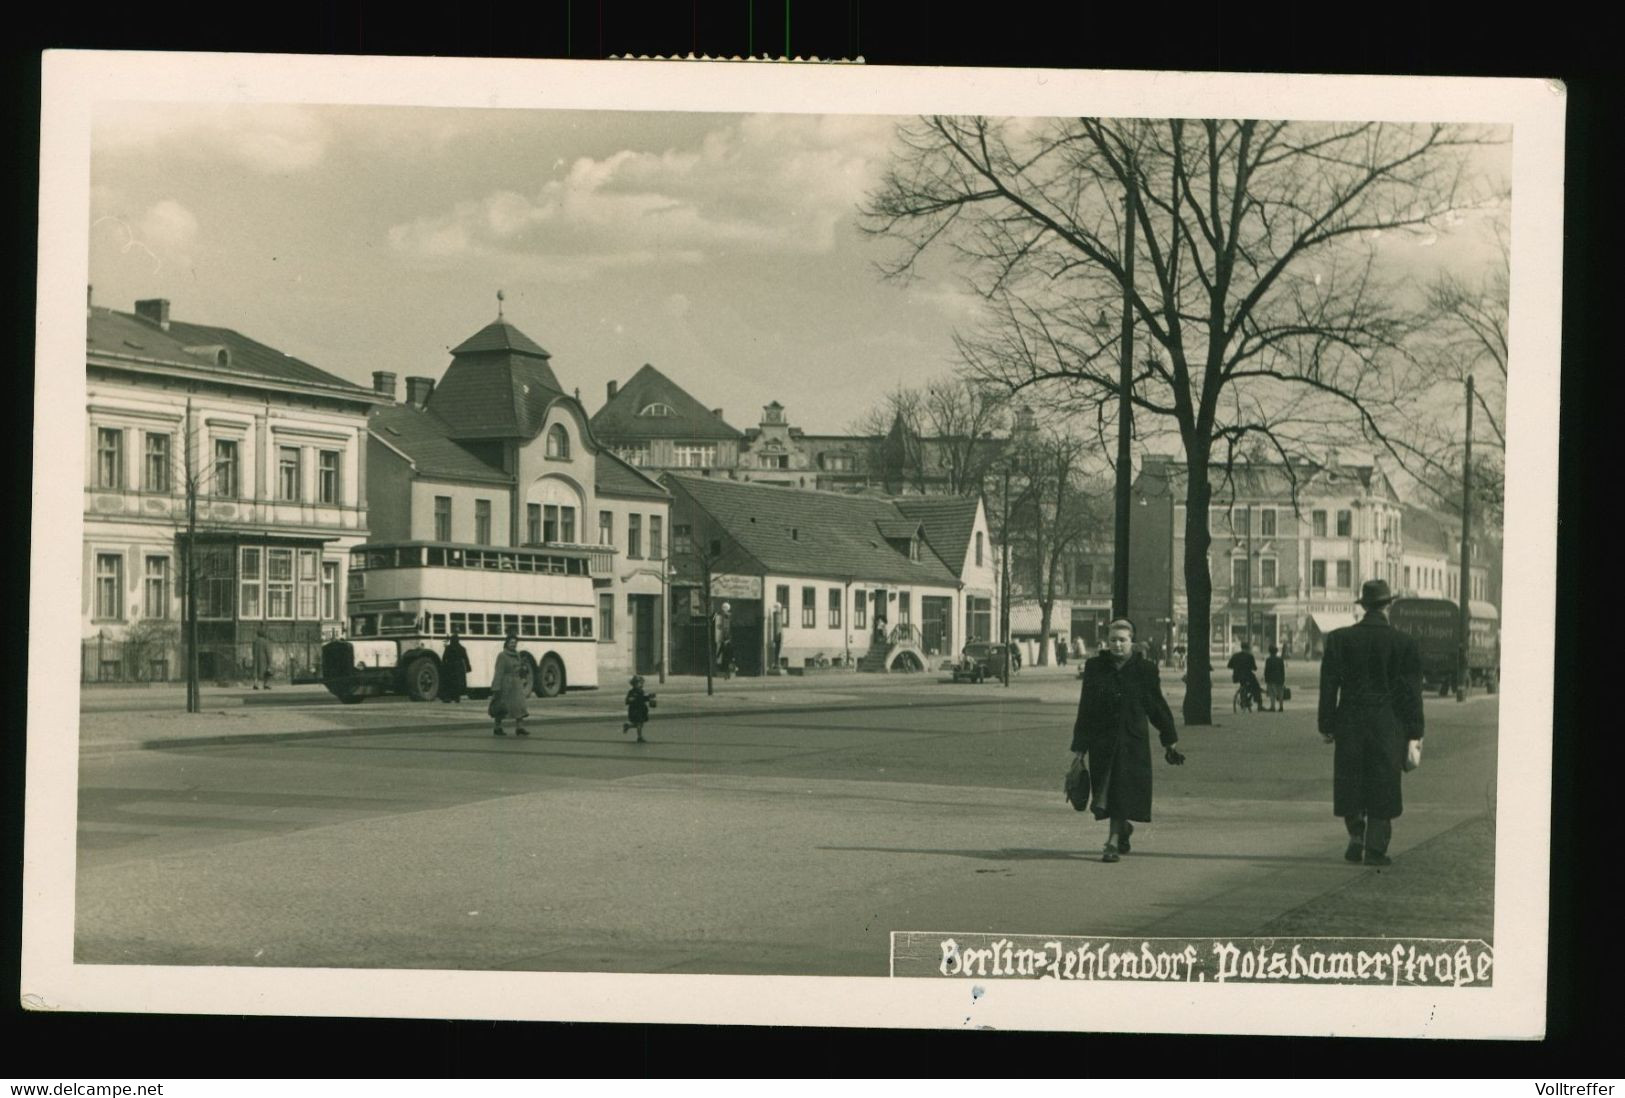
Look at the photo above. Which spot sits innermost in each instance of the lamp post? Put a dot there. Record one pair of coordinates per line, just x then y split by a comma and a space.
1464, 586
1125, 421
1004, 577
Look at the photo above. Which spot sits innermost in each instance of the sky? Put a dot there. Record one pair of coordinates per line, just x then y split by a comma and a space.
721, 248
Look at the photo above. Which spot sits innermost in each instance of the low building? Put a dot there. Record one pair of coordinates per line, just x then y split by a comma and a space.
821, 578
270, 449
495, 453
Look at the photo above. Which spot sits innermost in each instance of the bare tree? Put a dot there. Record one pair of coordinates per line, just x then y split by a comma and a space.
1053, 515
962, 416
891, 434
1256, 275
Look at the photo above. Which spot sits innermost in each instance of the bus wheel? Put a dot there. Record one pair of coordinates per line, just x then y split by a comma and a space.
423, 680
551, 682
352, 699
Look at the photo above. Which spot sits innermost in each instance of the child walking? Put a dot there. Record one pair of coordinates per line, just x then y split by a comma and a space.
638, 705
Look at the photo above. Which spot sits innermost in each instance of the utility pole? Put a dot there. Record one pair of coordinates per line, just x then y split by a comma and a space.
1125, 420
1464, 587
1249, 633
194, 703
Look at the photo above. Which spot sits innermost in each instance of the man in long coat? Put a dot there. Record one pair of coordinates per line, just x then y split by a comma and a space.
1121, 699
262, 659
1371, 708
454, 669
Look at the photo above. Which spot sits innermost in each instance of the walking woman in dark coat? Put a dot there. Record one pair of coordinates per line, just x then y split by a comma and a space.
1121, 699
454, 669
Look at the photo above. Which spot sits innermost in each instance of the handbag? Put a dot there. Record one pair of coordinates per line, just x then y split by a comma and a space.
1077, 784
495, 709
1286, 693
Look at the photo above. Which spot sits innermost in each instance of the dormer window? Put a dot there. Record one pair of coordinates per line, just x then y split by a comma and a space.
558, 441
657, 409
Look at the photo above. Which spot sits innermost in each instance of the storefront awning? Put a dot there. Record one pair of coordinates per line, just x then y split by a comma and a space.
1483, 610
1327, 620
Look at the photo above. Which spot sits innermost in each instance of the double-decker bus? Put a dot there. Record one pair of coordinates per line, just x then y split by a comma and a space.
406, 599
1436, 626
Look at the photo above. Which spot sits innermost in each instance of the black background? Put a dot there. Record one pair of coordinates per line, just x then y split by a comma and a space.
1424, 39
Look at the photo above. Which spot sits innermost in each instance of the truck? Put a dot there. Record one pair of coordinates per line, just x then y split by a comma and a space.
1435, 624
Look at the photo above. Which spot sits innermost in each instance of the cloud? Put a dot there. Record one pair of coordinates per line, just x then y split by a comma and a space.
164, 232
765, 182
169, 226
271, 139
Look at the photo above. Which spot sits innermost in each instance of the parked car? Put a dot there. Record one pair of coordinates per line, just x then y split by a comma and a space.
981, 661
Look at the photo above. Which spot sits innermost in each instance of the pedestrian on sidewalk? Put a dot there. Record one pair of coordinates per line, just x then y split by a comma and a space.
508, 689
1275, 680
262, 659
638, 705
454, 669
1120, 700
1371, 708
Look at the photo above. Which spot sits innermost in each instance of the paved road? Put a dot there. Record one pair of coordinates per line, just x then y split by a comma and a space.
784, 828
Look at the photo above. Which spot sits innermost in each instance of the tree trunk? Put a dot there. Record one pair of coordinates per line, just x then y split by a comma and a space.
1046, 607
1198, 705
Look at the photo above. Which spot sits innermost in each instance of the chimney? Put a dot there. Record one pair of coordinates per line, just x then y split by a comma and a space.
417, 390
612, 389
383, 383
155, 309
717, 412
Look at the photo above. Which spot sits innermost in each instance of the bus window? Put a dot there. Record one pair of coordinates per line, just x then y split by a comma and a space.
437, 557
398, 621
476, 625
490, 561
454, 557
561, 626
586, 627
544, 626
493, 625
364, 625
379, 558
575, 627
410, 557
358, 560
578, 567
510, 624
527, 625
459, 623
437, 625
506, 563
526, 562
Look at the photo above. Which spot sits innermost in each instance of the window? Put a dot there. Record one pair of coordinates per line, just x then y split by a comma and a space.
250, 576
860, 610
330, 592
606, 528
279, 583
634, 535
1317, 573
109, 586
905, 608
550, 523
1238, 574
1086, 577
533, 523
1345, 523
1345, 574
109, 458
1318, 521
225, 467
482, 522
558, 441
781, 603
978, 548
774, 461
309, 583
442, 518
216, 578
635, 454
657, 409
838, 463
694, 456
567, 525
809, 608
1240, 519
287, 485
834, 607
157, 479
1407, 577
606, 617
1267, 572
1266, 522
682, 543
157, 588
327, 476
655, 524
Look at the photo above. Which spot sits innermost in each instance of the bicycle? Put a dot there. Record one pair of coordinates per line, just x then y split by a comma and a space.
1244, 700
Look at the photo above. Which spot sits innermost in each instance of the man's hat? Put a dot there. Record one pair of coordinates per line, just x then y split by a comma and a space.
1374, 594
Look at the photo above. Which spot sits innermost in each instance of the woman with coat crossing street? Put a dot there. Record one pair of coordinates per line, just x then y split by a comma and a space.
509, 686
1121, 700
454, 669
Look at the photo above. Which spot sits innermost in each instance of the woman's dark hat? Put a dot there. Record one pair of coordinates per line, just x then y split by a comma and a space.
1374, 594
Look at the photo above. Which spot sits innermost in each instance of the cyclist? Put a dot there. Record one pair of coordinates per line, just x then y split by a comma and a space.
1244, 670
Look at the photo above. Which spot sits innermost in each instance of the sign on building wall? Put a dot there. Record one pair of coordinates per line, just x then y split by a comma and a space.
736, 587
